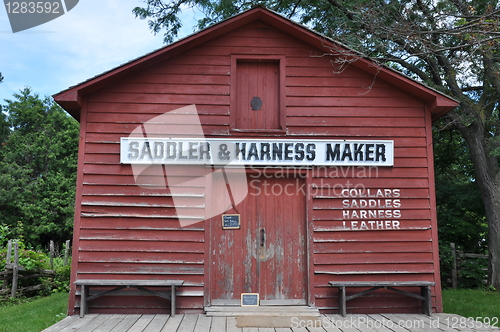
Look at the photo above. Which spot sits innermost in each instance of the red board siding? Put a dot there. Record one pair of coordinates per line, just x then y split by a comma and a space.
131, 231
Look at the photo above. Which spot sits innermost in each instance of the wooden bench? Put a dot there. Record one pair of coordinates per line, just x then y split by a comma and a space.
425, 291
120, 284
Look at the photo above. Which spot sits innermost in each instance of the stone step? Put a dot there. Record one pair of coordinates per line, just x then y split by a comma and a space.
290, 311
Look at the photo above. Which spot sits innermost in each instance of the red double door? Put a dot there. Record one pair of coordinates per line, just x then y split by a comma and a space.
267, 255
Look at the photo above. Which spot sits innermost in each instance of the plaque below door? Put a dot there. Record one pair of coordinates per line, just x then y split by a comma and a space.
250, 299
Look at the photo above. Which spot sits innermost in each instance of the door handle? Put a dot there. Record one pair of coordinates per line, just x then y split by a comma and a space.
263, 252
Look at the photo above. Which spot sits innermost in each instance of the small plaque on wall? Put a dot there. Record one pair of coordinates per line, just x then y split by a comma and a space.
230, 221
250, 299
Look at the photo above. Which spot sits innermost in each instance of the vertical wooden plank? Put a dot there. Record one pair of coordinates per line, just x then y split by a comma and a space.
233, 100
66, 252
249, 242
15, 270
265, 226
433, 210
342, 301
78, 205
427, 303
173, 307
454, 275
225, 245
52, 254
5, 283
9, 252
244, 118
310, 239
209, 243
282, 92
293, 227
287, 236
83, 300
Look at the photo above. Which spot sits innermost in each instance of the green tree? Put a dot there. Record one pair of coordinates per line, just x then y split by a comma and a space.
38, 158
4, 128
460, 212
451, 45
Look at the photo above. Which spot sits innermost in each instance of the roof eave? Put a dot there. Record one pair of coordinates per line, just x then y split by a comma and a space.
438, 102
70, 99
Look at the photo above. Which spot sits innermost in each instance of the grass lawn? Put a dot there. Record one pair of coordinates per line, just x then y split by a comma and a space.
33, 316
472, 303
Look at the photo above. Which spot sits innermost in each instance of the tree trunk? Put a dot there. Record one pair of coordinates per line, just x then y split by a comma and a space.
488, 180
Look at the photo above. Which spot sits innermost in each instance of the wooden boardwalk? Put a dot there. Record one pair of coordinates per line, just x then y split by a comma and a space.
329, 323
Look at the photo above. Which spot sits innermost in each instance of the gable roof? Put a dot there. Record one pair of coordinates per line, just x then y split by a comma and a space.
71, 98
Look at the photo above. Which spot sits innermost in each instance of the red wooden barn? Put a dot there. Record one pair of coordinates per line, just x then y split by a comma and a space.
255, 156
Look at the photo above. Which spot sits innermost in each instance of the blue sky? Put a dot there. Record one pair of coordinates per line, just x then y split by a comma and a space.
90, 39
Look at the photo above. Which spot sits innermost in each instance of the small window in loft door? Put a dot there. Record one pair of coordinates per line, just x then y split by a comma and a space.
257, 95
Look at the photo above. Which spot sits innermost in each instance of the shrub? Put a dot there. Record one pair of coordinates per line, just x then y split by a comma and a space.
472, 272
60, 281
32, 260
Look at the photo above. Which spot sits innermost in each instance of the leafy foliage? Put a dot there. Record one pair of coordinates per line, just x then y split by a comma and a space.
38, 158
461, 215
473, 272
30, 259
36, 260
60, 282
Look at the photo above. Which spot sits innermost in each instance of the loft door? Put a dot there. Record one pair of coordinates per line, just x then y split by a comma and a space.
257, 95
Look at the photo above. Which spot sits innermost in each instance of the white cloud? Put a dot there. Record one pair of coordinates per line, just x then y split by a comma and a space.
92, 38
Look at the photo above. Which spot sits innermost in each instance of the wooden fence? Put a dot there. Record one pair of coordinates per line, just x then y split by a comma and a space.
14, 271
459, 257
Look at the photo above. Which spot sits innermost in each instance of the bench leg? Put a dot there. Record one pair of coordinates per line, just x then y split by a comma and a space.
342, 301
425, 291
83, 300
172, 301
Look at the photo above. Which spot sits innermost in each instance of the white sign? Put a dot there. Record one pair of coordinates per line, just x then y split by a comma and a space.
255, 152
367, 209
